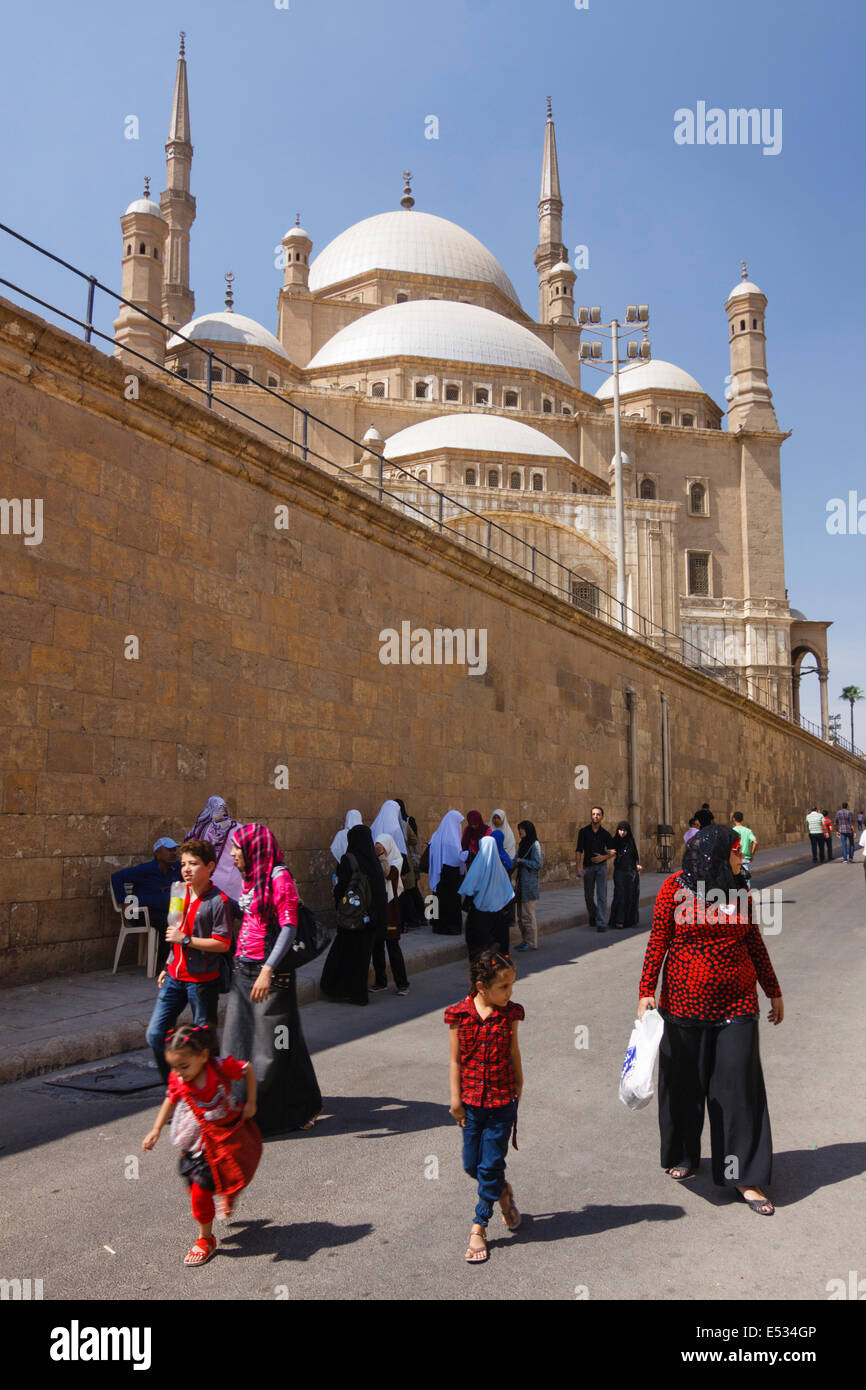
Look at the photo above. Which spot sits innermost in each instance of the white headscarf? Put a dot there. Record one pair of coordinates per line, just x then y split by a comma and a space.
509, 842
340, 842
487, 883
395, 860
445, 848
388, 822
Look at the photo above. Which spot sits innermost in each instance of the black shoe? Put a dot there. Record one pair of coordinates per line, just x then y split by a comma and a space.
377, 989
601, 928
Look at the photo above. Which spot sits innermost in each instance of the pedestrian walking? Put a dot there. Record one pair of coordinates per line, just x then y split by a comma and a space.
387, 933
219, 1140
528, 861
625, 911
487, 890
446, 859
262, 1019
703, 931
845, 827
815, 823
486, 1082
192, 969
346, 970
827, 830
594, 847
748, 843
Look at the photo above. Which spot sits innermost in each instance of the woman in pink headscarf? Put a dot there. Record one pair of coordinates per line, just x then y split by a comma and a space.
263, 1025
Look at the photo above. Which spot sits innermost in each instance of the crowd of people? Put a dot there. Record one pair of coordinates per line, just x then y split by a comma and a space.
262, 1080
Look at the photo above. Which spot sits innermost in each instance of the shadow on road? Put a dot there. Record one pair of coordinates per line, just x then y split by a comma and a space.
373, 1117
797, 1173
296, 1242
590, 1221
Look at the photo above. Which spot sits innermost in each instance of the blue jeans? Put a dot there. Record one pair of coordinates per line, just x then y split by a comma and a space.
485, 1146
595, 882
848, 845
172, 999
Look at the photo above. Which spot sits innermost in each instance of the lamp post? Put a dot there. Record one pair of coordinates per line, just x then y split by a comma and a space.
591, 352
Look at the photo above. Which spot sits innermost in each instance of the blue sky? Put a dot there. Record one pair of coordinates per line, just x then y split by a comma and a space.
318, 108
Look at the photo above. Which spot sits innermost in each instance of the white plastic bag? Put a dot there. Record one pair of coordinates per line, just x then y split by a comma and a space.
185, 1131
636, 1083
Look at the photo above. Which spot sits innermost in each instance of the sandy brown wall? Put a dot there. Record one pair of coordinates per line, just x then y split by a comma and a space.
258, 648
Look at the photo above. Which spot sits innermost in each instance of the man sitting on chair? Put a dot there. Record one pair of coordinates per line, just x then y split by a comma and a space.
151, 886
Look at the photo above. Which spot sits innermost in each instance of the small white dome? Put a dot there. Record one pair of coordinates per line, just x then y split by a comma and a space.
626, 461
145, 205
494, 434
373, 434
563, 265
800, 617
654, 375
440, 329
228, 327
298, 232
416, 242
745, 287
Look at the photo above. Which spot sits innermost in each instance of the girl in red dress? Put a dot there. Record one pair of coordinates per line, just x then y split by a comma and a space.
221, 1144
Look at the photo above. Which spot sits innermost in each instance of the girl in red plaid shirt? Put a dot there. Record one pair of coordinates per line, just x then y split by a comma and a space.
486, 1083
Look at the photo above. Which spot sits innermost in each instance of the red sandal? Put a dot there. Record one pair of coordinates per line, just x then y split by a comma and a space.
202, 1251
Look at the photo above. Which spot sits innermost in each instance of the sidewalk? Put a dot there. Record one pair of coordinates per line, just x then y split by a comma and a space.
81, 1018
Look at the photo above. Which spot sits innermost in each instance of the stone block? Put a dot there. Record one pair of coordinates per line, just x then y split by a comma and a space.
69, 752
30, 880
23, 918
19, 793
22, 749
75, 919
23, 836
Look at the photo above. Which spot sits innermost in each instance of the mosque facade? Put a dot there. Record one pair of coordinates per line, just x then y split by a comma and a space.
406, 334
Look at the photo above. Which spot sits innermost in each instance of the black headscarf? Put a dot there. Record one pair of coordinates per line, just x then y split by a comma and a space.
625, 843
704, 816
405, 814
527, 840
707, 861
360, 843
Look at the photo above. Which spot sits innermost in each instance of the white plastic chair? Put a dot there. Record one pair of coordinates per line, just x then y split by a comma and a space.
126, 929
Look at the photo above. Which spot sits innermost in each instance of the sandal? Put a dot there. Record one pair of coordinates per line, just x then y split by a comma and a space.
202, 1251
758, 1204
680, 1172
310, 1123
510, 1215
477, 1254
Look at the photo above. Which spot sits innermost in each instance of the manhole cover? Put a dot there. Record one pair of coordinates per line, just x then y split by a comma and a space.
120, 1080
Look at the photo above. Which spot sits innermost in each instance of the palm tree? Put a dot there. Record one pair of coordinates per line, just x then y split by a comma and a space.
852, 693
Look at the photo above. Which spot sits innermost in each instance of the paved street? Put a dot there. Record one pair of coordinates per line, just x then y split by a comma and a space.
356, 1209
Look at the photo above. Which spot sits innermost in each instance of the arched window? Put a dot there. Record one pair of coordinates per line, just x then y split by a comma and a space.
565, 410
142, 250
699, 573
183, 372
129, 250
421, 390
688, 422
754, 323
452, 391
698, 499
273, 381
537, 482
512, 400
422, 476
514, 481
297, 255
584, 595
470, 477
742, 325
574, 487
493, 478
648, 490
242, 378
547, 406
216, 374
482, 395
665, 417
378, 389
155, 254
401, 298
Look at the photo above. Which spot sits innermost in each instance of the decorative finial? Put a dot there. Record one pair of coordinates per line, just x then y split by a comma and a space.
745, 274
297, 219
147, 185
229, 296
549, 110
182, 47
407, 201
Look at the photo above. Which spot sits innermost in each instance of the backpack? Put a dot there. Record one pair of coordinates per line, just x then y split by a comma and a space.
353, 908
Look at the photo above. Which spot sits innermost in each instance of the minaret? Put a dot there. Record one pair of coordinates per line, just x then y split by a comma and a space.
297, 245
178, 204
749, 394
550, 250
144, 242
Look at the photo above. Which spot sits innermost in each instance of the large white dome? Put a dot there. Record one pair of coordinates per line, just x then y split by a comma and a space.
440, 329
654, 375
412, 241
227, 327
494, 434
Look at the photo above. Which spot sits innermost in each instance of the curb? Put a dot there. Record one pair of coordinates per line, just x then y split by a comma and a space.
35, 1059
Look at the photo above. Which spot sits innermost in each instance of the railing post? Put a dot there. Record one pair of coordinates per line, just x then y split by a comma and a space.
441, 501
91, 290
304, 425
533, 564
488, 540
381, 475
209, 379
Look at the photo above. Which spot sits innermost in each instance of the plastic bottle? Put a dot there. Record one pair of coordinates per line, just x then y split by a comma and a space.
176, 903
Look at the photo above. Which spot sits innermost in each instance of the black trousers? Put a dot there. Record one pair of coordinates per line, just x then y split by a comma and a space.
817, 845
719, 1067
489, 930
395, 959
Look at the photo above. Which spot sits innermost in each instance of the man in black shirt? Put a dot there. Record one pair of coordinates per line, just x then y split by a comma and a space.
594, 847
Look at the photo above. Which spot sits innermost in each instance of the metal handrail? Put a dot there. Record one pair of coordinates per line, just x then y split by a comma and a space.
613, 613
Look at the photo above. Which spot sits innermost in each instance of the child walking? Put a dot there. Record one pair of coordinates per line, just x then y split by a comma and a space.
486, 1083
220, 1142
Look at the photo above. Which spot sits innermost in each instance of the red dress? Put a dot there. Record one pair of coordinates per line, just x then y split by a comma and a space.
231, 1146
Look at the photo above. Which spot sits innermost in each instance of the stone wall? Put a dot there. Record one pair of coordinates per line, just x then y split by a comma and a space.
258, 648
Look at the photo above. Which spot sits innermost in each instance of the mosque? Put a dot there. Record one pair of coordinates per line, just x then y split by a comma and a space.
406, 334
